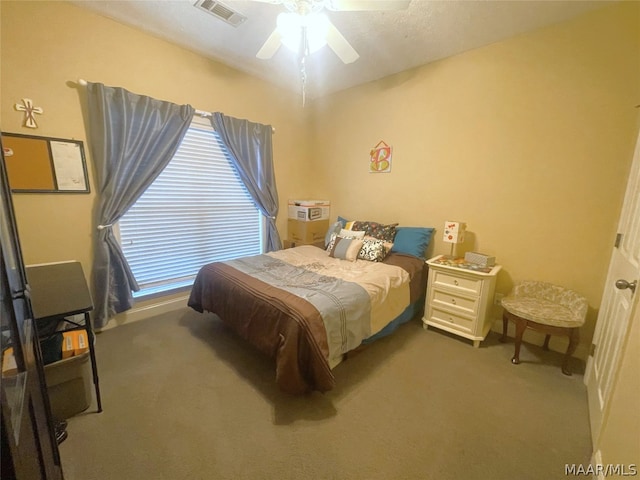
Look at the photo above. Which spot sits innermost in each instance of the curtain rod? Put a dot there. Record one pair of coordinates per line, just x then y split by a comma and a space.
202, 113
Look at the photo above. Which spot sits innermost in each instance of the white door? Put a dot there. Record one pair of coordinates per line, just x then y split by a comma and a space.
618, 301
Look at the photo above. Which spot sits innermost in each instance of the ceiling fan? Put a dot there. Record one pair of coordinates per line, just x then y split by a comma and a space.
303, 28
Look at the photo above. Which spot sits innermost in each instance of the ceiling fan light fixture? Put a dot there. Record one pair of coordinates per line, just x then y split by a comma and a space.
290, 26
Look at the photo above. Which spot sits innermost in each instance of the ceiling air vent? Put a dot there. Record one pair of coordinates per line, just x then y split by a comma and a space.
221, 11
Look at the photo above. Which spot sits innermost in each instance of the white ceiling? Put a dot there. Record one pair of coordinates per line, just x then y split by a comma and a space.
387, 41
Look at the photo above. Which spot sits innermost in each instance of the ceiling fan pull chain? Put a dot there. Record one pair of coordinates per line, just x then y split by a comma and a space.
303, 79
304, 52
305, 41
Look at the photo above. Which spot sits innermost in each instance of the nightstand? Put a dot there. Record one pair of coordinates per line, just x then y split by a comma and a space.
459, 298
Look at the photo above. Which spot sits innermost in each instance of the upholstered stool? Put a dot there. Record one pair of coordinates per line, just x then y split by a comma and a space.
547, 308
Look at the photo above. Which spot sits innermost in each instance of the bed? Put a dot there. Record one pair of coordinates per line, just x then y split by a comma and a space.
307, 307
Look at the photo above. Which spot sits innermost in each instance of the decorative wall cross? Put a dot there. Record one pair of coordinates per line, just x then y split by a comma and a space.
29, 111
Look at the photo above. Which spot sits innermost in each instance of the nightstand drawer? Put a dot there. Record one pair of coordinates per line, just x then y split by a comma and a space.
458, 303
468, 285
451, 320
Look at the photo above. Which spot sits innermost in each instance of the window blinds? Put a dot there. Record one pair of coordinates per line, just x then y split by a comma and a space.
197, 211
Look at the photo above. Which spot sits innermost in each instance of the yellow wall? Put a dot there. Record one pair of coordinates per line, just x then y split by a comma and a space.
47, 46
528, 140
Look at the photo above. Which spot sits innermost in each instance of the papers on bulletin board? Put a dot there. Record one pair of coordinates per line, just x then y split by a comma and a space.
68, 165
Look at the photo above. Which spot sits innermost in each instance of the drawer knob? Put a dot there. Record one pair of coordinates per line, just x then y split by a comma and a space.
455, 282
453, 300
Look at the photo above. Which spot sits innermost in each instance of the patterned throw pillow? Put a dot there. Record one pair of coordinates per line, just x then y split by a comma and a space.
334, 228
377, 230
332, 241
387, 245
372, 250
346, 248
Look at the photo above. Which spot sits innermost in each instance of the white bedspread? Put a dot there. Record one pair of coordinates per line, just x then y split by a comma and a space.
387, 285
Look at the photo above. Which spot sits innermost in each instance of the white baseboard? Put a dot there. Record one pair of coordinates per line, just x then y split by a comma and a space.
146, 311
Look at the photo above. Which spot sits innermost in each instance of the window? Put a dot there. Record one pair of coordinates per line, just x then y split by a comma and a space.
197, 211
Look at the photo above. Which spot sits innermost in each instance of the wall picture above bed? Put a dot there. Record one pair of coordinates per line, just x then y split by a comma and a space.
380, 158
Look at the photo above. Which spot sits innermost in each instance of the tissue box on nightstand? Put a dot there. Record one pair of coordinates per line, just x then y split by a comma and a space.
480, 259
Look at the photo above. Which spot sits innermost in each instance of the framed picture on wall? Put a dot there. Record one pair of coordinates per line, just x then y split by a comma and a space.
380, 158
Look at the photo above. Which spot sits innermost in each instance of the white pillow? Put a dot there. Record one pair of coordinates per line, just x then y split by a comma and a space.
351, 234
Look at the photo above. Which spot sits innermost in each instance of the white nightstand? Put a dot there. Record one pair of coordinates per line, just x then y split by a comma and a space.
459, 299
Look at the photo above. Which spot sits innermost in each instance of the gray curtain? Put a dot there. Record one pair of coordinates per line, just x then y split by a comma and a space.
132, 138
251, 148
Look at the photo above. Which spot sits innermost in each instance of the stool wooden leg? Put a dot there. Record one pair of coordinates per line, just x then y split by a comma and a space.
521, 326
505, 327
546, 342
574, 338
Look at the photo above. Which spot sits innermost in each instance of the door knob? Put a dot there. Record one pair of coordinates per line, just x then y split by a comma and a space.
623, 284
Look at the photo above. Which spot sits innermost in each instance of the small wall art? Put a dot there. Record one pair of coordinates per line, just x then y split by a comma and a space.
29, 110
380, 158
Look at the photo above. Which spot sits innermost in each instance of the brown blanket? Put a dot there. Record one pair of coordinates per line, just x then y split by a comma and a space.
278, 323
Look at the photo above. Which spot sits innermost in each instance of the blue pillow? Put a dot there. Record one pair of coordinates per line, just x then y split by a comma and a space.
412, 240
343, 221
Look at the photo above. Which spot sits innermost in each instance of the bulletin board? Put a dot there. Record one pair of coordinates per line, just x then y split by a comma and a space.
44, 164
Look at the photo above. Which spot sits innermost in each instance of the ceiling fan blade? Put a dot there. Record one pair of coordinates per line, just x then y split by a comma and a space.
365, 5
340, 45
271, 46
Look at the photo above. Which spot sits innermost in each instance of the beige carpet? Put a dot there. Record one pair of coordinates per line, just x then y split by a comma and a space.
184, 398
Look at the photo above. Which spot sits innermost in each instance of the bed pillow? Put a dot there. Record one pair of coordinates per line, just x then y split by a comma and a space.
372, 250
346, 248
412, 240
343, 221
387, 245
344, 233
377, 230
332, 241
333, 228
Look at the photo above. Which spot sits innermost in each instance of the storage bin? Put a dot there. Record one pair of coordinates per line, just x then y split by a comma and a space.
69, 385
309, 210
